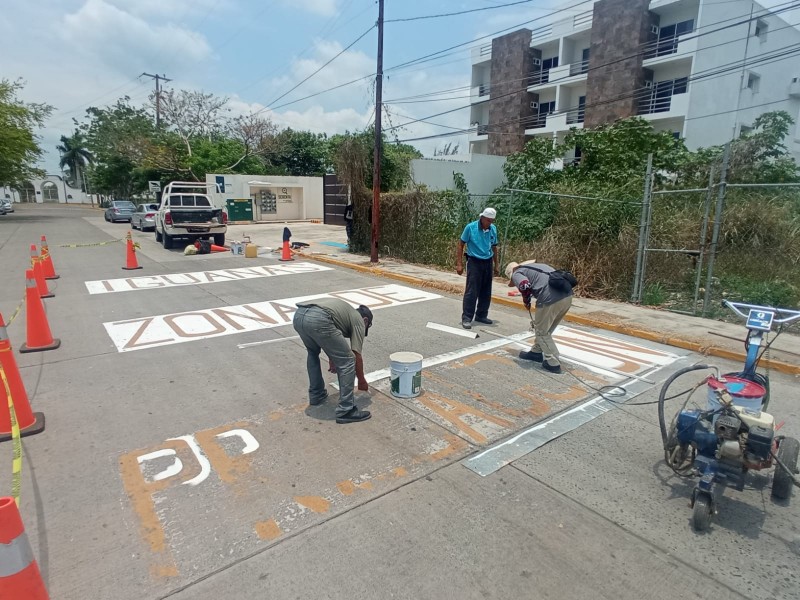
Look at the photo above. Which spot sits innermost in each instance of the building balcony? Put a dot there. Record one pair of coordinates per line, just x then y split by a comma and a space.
576, 116
552, 123
652, 108
482, 54
564, 27
481, 132
563, 74
479, 93
662, 51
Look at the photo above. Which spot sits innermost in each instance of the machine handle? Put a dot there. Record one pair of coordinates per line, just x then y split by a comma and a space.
783, 315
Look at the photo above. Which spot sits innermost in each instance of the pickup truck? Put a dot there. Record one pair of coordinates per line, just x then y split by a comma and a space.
186, 211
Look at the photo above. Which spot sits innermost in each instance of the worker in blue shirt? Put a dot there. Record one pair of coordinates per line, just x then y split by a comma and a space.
479, 239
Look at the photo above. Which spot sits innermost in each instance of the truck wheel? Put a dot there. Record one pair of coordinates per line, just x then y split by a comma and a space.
219, 239
781, 480
158, 235
166, 240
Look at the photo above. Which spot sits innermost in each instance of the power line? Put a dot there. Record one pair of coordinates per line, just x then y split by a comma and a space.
158, 94
463, 12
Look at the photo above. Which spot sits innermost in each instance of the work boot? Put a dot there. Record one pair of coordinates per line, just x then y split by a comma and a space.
551, 368
354, 416
484, 320
534, 356
466, 323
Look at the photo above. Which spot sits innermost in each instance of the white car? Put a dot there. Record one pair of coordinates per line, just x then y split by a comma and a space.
6, 206
144, 217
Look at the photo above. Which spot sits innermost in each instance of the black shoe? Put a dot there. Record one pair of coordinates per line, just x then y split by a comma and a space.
354, 416
551, 368
318, 402
466, 323
534, 356
484, 320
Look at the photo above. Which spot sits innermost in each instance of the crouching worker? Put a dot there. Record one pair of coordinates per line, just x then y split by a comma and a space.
553, 301
323, 324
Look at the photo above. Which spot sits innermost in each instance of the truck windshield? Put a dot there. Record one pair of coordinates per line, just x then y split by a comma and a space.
189, 200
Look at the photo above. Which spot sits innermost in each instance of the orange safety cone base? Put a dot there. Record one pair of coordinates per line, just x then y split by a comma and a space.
215, 248
130, 268
36, 427
52, 277
286, 255
52, 346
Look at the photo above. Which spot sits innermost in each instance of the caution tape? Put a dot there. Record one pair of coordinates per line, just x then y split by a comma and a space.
16, 312
16, 464
92, 244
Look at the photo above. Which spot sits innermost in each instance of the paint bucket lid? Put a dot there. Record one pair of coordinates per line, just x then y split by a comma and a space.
743, 388
405, 357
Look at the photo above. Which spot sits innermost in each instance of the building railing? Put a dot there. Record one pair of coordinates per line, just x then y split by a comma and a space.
539, 77
576, 115
663, 46
579, 68
483, 89
653, 104
536, 121
483, 130
541, 33
583, 20
486, 50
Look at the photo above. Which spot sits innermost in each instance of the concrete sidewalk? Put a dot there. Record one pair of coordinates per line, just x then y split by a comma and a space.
705, 336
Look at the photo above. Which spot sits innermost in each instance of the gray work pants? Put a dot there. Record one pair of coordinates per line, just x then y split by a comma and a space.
545, 320
315, 327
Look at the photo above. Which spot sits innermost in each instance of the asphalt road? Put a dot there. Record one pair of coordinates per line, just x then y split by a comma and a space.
181, 459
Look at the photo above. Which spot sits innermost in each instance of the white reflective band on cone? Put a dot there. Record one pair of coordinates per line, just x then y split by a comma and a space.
16, 556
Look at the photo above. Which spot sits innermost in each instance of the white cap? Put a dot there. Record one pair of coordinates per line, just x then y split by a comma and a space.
489, 213
510, 269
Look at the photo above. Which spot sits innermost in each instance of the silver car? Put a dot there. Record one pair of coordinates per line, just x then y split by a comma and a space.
120, 210
6, 205
144, 217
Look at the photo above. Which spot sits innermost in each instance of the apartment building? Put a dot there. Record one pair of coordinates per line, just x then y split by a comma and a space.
702, 69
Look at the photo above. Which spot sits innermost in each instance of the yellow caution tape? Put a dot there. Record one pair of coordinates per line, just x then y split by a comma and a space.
16, 464
90, 245
16, 312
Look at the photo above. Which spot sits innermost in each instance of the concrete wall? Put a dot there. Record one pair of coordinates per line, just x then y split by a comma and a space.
296, 198
60, 192
482, 172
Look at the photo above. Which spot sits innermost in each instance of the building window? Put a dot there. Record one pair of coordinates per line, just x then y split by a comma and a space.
543, 76
545, 108
676, 135
667, 42
753, 82
762, 27
745, 130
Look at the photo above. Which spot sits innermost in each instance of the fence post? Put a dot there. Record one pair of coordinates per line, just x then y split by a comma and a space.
723, 179
703, 236
638, 278
505, 234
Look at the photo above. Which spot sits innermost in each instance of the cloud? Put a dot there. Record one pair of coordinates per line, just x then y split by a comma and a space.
324, 8
169, 8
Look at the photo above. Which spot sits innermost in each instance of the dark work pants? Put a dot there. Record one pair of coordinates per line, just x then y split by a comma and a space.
479, 288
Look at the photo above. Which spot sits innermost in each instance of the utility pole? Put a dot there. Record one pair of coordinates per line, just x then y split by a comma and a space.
376, 170
158, 94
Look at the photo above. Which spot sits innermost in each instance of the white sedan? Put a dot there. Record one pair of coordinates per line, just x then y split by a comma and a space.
144, 217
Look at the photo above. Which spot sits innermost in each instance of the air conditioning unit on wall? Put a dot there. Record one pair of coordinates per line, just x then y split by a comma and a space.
648, 85
534, 105
537, 62
654, 29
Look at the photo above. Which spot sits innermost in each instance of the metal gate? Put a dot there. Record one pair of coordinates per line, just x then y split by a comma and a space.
334, 195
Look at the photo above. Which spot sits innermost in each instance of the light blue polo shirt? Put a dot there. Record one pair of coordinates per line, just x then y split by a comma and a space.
479, 241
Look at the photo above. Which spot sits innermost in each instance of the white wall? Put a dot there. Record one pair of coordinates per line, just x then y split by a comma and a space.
73, 195
719, 94
482, 172
303, 198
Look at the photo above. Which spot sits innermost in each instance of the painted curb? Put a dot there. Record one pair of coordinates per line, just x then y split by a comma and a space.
644, 334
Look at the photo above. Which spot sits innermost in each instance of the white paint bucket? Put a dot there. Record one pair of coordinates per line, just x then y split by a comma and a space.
405, 374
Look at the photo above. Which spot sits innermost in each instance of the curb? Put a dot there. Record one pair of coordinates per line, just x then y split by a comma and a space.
644, 334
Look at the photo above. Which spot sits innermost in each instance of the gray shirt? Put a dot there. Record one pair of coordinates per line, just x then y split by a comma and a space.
542, 291
346, 319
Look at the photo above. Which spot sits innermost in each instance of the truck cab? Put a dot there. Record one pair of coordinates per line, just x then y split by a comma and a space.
186, 211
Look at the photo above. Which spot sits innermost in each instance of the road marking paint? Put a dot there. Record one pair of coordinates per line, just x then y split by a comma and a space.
164, 330
268, 530
316, 504
151, 282
453, 330
261, 343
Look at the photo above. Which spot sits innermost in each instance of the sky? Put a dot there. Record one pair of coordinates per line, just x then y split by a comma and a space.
73, 54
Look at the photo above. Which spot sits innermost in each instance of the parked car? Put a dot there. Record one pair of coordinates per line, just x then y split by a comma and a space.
144, 217
120, 210
7, 205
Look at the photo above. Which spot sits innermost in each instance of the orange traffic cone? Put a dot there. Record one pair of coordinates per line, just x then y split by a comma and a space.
47, 261
286, 254
215, 248
132, 264
29, 422
19, 574
38, 274
39, 337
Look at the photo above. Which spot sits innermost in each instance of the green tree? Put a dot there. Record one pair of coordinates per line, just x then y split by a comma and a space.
75, 157
19, 145
301, 153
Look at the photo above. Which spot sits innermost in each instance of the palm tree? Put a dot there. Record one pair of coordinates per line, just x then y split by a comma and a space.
74, 156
